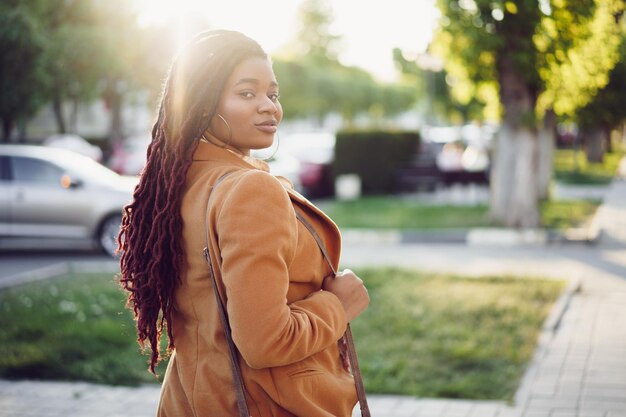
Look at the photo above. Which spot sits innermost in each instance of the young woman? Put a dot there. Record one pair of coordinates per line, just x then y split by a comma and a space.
286, 308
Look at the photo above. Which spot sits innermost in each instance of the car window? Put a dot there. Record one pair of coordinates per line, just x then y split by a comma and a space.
4, 168
35, 171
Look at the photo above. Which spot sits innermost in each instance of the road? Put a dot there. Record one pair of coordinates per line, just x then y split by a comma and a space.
566, 261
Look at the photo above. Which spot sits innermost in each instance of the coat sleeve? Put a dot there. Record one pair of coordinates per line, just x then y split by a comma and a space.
257, 232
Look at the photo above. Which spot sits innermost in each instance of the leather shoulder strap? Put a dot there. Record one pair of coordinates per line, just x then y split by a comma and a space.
240, 388
354, 361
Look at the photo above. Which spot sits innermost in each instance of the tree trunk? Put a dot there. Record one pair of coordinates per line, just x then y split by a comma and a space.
608, 146
116, 131
21, 130
7, 127
546, 140
73, 122
514, 198
114, 100
57, 108
594, 144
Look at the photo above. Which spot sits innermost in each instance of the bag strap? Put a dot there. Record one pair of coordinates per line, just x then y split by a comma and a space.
236, 370
240, 389
354, 362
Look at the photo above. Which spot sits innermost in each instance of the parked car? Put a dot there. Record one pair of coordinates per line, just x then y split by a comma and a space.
461, 153
129, 156
448, 155
57, 194
74, 143
316, 153
283, 164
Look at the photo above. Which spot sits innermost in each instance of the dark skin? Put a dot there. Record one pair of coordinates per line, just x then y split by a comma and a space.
350, 290
250, 107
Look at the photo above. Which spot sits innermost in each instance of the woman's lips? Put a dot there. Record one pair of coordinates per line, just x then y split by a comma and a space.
267, 127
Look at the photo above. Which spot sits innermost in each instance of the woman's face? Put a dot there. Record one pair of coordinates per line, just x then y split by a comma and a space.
249, 104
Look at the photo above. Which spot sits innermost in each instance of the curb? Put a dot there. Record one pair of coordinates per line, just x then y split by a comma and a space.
38, 274
553, 322
472, 237
548, 330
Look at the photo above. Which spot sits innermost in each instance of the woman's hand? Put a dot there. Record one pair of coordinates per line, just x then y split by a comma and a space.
350, 290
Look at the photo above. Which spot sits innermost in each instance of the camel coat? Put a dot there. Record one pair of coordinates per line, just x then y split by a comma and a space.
270, 271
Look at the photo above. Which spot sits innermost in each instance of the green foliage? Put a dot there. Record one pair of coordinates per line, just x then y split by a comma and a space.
71, 328
313, 83
315, 39
563, 50
374, 156
22, 78
442, 105
572, 167
608, 107
579, 44
432, 335
71, 51
308, 88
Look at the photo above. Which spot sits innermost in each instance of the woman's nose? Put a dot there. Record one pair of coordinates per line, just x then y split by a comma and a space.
268, 106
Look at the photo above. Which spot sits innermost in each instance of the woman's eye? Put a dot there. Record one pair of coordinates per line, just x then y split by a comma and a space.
274, 97
247, 94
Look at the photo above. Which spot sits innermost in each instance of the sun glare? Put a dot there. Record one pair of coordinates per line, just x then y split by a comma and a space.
158, 12
369, 31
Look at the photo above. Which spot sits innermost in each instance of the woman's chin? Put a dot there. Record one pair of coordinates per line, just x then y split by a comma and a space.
264, 145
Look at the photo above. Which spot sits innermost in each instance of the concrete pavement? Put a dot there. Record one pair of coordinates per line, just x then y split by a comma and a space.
578, 370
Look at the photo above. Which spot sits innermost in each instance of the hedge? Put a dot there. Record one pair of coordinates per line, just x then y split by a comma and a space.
375, 156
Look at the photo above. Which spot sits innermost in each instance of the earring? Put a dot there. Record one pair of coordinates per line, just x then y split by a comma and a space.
230, 132
269, 158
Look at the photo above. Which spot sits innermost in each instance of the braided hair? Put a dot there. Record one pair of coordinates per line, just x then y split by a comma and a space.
150, 236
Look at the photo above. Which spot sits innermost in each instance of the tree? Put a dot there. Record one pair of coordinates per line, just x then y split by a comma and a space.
75, 69
515, 48
315, 39
314, 82
432, 82
606, 111
22, 78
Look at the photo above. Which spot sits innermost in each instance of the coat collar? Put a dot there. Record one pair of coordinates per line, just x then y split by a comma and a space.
209, 152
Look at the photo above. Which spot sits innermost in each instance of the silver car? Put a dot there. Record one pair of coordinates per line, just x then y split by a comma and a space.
55, 195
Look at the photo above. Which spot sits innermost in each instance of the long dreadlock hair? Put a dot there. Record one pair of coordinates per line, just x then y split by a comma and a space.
150, 236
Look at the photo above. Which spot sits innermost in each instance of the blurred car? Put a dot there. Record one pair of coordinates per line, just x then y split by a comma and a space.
74, 143
316, 153
282, 164
448, 155
129, 156
58, 194
461, 153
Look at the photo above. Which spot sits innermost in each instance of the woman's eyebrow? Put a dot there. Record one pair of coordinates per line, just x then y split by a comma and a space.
253, 81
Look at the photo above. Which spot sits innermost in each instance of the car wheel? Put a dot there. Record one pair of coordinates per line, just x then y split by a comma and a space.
107, 238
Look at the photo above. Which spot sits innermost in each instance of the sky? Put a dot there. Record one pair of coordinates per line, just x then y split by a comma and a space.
369, 29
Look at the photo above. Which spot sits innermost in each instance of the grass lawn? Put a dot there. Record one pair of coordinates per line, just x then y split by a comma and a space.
565, 214
73, 327
571, 167
427, 335
389, 212
441, 336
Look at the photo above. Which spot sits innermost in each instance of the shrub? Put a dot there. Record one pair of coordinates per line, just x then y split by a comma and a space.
374, 156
